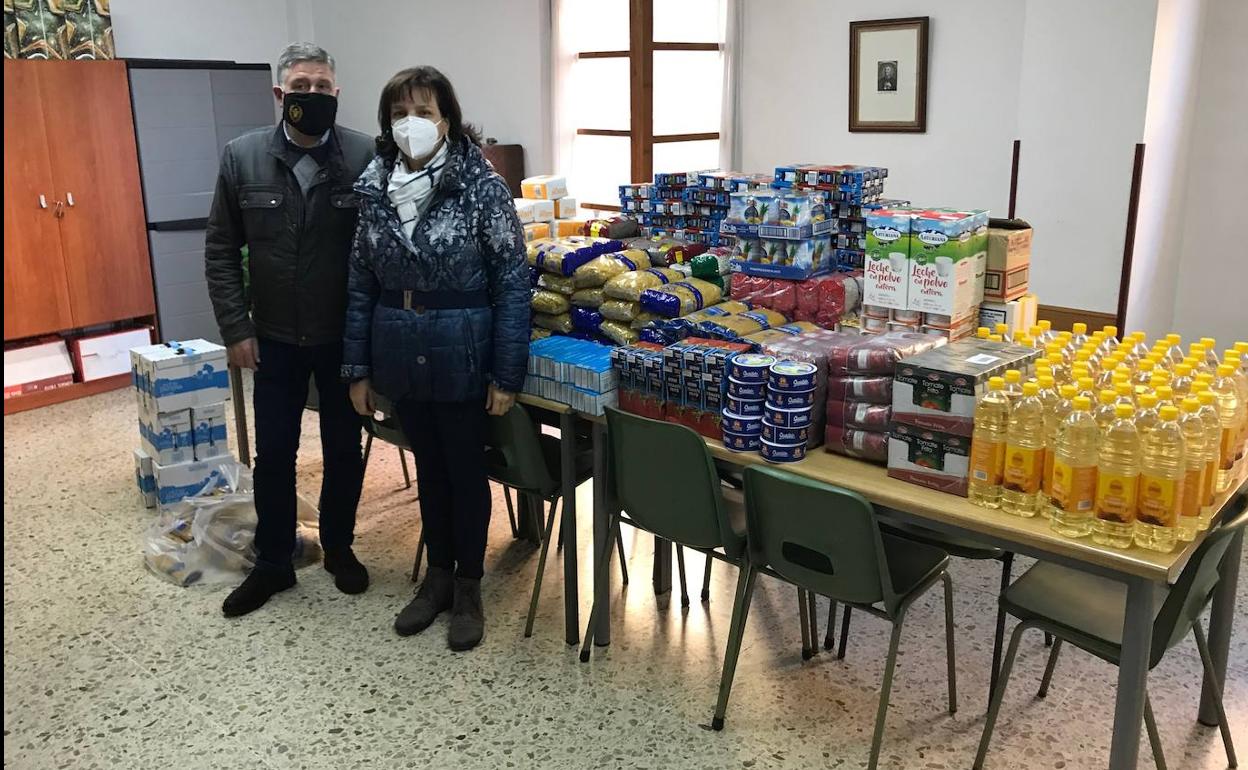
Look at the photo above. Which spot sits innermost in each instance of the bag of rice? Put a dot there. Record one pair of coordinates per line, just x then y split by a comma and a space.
629, 286
677, 299
619, 333
601, 269
545, 301
620, 310
556, 323
557, 283
588, 298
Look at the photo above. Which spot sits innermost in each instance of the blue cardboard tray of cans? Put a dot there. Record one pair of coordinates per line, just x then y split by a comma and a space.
689, 205
768, 406
574, 372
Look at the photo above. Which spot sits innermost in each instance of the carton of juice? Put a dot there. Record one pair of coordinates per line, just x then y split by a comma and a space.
948, 254
886, 277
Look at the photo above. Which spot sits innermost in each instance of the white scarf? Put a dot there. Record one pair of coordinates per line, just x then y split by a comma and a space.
411, 191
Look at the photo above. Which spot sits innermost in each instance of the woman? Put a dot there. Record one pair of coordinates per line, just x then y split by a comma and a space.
437, 322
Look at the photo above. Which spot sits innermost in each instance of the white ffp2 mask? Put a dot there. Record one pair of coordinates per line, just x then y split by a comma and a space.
415, 136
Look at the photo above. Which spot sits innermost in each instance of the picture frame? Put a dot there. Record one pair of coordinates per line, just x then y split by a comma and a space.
888, 75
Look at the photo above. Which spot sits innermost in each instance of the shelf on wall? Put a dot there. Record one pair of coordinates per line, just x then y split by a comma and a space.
66, 393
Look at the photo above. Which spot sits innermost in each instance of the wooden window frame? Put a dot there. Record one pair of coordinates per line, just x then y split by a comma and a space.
640, 55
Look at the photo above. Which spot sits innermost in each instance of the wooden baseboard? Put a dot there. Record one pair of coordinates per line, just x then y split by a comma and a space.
1063, 318
67, 393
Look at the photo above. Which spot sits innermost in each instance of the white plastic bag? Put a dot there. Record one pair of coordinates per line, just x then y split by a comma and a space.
208, 538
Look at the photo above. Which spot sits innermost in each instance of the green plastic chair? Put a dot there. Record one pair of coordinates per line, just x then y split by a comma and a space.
827, 540
521, 457
1088, 611
663, 480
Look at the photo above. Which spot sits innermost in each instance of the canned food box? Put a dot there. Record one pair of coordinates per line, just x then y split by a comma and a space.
751, 391
741, 443
742, 424
780, 435
744, 407
787, 418
783, 400
782, 453
792, 377
750, 368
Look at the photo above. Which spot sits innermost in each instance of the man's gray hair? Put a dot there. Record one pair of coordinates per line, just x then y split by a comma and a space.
300, 52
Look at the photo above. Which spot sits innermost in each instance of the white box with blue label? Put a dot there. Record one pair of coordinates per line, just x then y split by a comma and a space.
208, 429
180, 375
145, 478
181, 480
167, 437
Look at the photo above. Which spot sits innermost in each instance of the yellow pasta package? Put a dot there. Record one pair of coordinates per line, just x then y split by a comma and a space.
629, 286
599, 270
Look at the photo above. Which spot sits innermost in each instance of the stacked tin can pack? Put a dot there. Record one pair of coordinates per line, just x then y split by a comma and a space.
769, 407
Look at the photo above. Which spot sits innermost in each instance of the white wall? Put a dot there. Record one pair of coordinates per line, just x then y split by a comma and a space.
1064, 76
1211, 297
495, 52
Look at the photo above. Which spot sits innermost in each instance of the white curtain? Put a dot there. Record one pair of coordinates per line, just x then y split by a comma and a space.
562, 57
730, 114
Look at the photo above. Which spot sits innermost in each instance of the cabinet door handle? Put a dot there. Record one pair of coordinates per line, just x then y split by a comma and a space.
60, 209
43, 201
69, 196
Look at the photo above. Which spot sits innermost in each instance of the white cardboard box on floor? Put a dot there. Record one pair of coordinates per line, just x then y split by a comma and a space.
180, 375
145, 478
107, 355
179, 480
34, 368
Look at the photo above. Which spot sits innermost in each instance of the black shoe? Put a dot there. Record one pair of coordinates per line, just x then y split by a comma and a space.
467, 616
349, 575
434, 597
257, 589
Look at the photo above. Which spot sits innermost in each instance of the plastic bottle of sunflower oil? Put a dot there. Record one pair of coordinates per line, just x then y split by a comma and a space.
1073, 480
1174, 349
1078, 337
1213, 441
1165, 395
1162, 469
1057, 404
1105, 411
1004, 331
1182, 382
1196, 466
992, 415
1232, 357
1013, 386
1211, 352
1144, 372
1148, 414
1085, 387
1046, 331
1024, 455
1109, 342
1231, 416
1117, 481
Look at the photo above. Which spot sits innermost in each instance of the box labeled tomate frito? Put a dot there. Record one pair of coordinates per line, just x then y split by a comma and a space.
930, 458
938, 389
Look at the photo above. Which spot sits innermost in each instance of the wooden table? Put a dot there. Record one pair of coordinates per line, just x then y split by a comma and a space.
1141, 570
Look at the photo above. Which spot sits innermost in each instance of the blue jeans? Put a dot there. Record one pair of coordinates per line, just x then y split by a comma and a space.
281, 393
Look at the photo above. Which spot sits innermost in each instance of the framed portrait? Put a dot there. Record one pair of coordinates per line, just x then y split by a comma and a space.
888, 75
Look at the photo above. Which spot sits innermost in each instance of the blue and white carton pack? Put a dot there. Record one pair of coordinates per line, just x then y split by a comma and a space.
145, 478
208, 431
181, 480
167, 437
180, 375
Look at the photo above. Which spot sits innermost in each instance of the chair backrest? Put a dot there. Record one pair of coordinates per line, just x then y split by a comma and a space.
388, 428
664, 478
817, 536
514, 456
1192, 591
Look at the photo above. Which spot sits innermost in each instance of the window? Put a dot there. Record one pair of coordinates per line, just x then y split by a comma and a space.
643, 88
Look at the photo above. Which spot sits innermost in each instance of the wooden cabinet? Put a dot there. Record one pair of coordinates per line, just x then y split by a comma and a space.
69, 137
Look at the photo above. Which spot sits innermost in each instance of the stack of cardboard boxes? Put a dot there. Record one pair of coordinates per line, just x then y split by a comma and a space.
181, 389
1007, 278
546, 210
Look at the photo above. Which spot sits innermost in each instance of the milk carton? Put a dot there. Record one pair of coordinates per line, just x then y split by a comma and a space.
208, 431
180, 480
179, 375
145, 478
948, 254
887, 264
166, 436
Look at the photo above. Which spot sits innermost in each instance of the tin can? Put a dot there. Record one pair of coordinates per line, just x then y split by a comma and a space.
746, 390
782, 453
742, 424
874, 325
744, 407
908, 317
791, 377
800, 400
787, 418
750, 367
741, 443
875, 311
780, 435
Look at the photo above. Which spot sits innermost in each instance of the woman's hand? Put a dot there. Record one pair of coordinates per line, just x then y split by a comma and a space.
499, 402
362, 397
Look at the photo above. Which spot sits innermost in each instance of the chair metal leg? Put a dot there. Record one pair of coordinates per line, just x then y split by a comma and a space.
803, 612
368, 447
1047, 679
684, 586
603, 565
511, 512
541, 568
998, 695
407, 478
1048, 639
998, 640
840, 653
420, 553
813, 618
619, 546
706, 579
1211, 676
886, 687
949, 648
740, 612
1154, 737
829, 639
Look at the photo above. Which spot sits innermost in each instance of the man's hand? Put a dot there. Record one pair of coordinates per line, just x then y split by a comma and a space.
245, 354
499, 402
362, 397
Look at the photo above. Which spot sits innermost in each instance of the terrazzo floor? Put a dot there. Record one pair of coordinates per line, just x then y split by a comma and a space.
107, 666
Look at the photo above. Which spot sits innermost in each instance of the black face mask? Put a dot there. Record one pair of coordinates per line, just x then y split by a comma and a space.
309, 113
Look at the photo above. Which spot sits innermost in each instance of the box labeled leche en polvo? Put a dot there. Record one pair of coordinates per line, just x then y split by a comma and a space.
948, 254
886, 268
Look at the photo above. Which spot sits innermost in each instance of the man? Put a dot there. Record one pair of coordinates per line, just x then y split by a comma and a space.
285, 193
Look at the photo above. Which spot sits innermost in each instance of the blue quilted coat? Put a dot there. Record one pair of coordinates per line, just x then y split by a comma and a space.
468, 243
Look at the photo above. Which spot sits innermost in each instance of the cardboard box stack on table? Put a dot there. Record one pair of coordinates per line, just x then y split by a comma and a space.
547, 210
181, 389
1007, 277
933, 409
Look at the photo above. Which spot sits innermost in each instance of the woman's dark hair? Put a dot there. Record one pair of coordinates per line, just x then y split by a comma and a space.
429, 79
